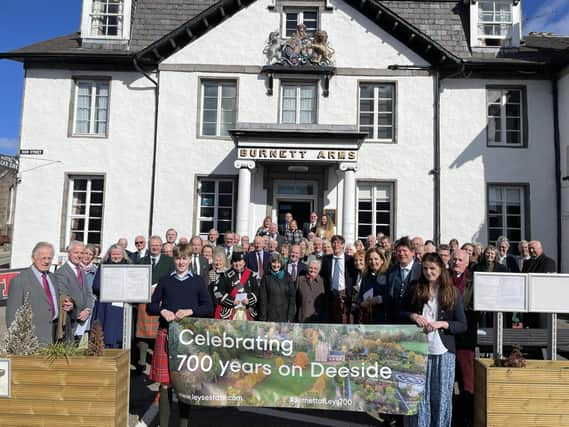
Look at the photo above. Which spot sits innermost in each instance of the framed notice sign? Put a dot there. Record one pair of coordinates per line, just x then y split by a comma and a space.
125, 283
500, 292
548, 293
5, 378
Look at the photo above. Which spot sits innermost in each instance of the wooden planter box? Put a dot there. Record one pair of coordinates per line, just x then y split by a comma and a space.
84, 391
537, 395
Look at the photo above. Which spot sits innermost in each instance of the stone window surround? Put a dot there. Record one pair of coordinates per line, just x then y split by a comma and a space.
199, 110
280, 6
71, 133
299, 82
197, 199
392, 184
394, 83
524, 117
67, 197
525, 211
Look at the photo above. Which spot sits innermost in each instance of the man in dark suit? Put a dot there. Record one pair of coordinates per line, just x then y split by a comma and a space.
274, 234
400, 277
199, 264
539, 262
39, 284
295, 267
212, 237
339, 274
141, 251
318, 252
503, 257
310, 227
123, 243
71, 280
259, 257
146, 325
286, 226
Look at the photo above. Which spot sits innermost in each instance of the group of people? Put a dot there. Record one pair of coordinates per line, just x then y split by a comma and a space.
285, 274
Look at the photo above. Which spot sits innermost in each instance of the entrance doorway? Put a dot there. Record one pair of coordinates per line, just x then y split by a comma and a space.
298, 197
300, 211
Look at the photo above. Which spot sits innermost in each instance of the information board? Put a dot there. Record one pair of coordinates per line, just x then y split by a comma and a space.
125, 283
500, 292
548, 293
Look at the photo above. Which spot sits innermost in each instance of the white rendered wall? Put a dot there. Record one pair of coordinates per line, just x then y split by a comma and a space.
467, 164
407, 162
563, 87
124, 157
357, 41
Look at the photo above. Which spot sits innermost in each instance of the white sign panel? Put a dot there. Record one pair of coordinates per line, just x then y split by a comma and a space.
549, 293
125, 283
500, 292
5, 377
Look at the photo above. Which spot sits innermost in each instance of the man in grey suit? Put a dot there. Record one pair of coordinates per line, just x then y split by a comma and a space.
71, 280
39, 283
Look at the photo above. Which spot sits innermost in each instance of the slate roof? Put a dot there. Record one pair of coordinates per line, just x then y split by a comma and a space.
442, 22
154, 19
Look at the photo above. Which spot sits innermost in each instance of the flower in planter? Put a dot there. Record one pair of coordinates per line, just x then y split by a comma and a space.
516, 359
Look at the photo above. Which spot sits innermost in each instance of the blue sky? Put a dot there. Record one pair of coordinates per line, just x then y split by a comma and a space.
30, 21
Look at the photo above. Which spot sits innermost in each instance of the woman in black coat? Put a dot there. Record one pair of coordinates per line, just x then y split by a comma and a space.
277, 293
489, 262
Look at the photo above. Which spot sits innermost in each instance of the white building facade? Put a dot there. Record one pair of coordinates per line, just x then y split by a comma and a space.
150, 119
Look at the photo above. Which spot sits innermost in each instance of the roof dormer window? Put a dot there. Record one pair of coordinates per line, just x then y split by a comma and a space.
106, 20
495, 23
495, 19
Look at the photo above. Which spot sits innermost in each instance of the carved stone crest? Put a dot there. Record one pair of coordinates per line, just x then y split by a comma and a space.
299, 49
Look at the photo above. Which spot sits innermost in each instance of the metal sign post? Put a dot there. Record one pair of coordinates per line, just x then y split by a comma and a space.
126, 326
552, 339
498, 347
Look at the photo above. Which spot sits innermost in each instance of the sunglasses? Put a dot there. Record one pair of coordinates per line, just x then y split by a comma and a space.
139, 243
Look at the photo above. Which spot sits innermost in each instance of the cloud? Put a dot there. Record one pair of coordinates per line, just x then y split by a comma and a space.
552, 16
8, 146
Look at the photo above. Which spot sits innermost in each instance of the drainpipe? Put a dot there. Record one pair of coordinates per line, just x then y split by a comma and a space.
557, 147
436, 172
155, 143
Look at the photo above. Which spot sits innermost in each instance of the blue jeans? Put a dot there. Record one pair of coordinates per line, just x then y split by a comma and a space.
435, 409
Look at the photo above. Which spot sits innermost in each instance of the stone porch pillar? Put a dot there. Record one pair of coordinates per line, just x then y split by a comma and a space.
243, 195
349, 206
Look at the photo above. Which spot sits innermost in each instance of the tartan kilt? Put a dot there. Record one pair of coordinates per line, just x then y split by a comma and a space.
146, 325
159, 371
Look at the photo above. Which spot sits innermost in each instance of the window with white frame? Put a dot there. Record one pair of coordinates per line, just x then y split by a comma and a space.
219, 107
495, 19
85, 209
506, 213
308, 17
299, 103
375, 209
216, 205
506, 112
377, 110
91, 113
106, 18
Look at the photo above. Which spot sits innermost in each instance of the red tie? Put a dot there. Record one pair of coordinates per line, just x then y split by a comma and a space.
260, 264
79, 277
47, 291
